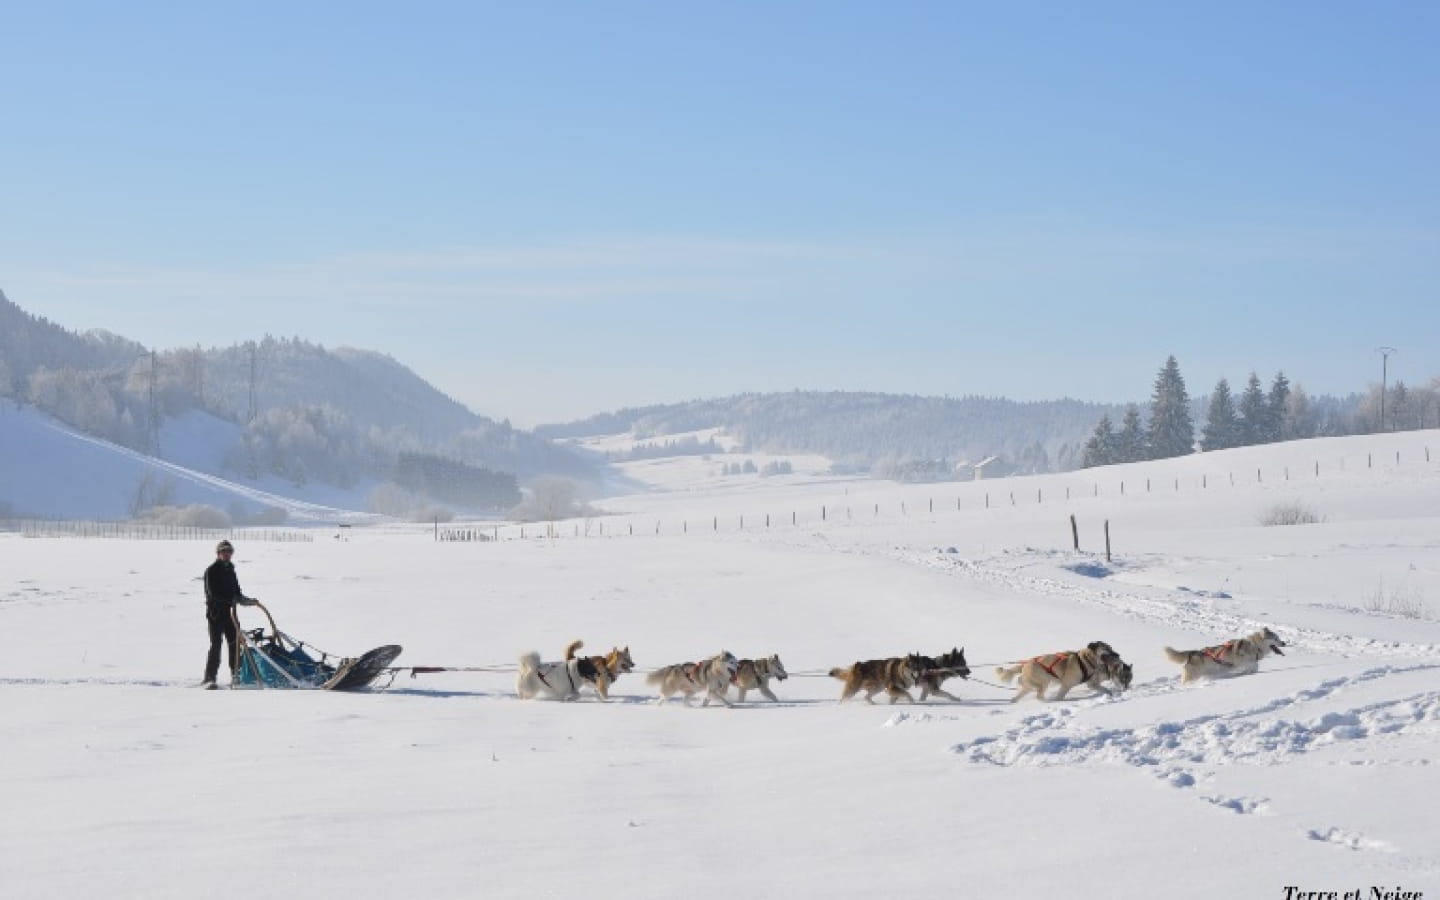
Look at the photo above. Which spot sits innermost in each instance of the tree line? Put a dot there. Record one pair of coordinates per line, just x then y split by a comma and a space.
1284, 412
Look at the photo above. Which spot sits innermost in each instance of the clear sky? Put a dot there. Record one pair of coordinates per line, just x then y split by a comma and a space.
556, 209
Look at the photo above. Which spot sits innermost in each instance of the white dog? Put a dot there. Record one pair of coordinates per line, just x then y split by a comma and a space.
554, 680
712, 676
1240, 656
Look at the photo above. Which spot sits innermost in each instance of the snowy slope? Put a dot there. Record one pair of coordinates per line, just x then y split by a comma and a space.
52, 471
1317, 772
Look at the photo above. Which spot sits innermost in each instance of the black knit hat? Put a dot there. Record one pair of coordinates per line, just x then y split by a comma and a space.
223, 545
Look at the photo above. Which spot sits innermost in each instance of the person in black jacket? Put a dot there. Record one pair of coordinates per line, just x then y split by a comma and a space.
222, 592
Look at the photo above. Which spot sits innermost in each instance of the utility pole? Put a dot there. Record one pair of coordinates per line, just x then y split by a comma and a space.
1384, 372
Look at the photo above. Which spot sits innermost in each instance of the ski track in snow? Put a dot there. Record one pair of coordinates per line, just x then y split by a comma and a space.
1185, 752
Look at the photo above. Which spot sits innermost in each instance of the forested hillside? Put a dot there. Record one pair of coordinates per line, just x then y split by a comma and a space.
885, 433
302, 412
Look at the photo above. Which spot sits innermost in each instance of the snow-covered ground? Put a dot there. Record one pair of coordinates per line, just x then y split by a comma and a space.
52, 471
1319, 773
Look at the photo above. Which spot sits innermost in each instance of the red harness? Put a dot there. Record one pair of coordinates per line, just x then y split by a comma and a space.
1059, 658
1219, 653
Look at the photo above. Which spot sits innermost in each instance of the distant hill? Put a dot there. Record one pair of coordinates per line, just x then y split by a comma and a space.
298, 412
866, 430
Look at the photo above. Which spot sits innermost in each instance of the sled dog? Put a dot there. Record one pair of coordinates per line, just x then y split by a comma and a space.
711, 677
555, 680
894, 676
1120, 673
608, 667
938, 668
755, 674
1091, 666
1240, 656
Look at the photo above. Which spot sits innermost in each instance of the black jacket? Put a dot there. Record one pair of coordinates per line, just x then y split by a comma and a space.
222, 588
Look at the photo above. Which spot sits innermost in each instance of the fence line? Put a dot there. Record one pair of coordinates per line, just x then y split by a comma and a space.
147, 531
825, 512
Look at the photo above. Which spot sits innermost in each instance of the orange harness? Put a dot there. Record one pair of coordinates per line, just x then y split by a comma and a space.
1057, 660
1219, 653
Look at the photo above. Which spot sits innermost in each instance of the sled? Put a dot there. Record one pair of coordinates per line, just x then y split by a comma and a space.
277, 660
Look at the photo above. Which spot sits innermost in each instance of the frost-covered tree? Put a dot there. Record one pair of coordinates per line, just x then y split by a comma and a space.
1299, 419
1398, 408
1221, 422
1172, 431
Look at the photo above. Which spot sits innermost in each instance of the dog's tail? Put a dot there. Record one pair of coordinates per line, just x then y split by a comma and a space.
1177, 656
842, 674
572, 647
1007, 675
657, 676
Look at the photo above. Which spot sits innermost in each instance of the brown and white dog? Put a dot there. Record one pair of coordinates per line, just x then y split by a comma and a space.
711, 676
1091, 666
755, 674
555, 680
1240, 656
608, 667
895, 676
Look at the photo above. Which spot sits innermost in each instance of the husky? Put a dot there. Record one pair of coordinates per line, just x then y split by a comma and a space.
711, 677
894, 676
937, 669
1119, 673
1240, 656
555, 680
755, 674
1093, 665
608, 667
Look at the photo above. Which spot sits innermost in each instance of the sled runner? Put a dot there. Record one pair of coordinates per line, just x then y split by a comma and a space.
277, 660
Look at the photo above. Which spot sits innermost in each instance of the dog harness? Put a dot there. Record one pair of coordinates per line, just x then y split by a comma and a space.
1059, 658
1218, 654
541, 675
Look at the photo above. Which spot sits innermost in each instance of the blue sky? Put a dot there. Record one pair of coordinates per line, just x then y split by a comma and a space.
556, 209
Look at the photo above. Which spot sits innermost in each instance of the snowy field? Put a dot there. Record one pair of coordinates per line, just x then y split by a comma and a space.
1318, 773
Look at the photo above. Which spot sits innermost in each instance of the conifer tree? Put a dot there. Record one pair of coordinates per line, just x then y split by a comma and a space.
1130, 442
1172, 431
1253, 413
1275, 404
1100, 449
1221, 423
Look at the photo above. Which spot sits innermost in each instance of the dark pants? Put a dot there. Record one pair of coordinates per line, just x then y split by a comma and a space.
222, 627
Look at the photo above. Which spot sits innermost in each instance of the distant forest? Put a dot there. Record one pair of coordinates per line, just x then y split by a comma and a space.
888, 435
1285, 412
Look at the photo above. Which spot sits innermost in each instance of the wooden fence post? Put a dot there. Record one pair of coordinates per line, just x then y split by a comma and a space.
1074, 532
1107, 540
